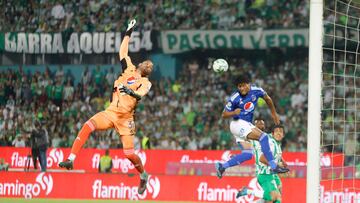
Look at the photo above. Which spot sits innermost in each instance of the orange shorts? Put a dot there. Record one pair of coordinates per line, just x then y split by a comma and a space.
124, 125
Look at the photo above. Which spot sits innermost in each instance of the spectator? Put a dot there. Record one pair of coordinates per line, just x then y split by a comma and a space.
105, 164
58, 12
162, 15
3, 141
350, 150
297, 100
111, 76
39, 145
86, 77
68, 91
19, 141
3, 165
145, 142
58, 93
190, 105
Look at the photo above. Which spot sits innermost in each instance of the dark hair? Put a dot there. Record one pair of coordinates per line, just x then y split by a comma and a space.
278, 126
259, 119
243, 78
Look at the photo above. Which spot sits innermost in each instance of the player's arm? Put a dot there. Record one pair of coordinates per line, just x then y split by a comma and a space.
143, 88
228, 114
229, 110
264, 160
140, 91
271, 105
124, 46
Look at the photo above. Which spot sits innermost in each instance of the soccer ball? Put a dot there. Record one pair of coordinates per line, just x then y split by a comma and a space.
220, 65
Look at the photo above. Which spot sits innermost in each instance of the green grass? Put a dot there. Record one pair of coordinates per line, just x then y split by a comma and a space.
17, 200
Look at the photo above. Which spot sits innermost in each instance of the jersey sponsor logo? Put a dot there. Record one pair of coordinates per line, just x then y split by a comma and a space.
249, 106
131, 80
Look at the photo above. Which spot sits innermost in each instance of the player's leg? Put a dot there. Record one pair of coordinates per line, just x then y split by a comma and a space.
263, 138
42, 158
245, 155
278, 182
247, 191
126, 129
268, 184
99, 121
34, 155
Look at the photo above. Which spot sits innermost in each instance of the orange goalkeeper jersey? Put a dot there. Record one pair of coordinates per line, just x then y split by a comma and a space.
121, 102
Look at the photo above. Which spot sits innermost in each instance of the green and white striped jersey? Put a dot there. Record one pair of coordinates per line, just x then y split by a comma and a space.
275, 147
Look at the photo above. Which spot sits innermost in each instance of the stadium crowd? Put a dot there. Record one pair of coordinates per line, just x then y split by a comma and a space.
177, 114
111, 15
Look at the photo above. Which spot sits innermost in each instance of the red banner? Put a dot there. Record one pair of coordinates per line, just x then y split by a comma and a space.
88, 159
166, 188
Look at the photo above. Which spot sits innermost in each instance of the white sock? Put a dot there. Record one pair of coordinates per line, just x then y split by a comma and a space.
257, 193
72, 157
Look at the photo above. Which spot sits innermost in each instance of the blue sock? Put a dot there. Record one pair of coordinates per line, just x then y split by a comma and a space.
265, 148
239, 158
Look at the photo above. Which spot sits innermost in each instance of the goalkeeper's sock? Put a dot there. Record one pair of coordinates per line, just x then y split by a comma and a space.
80, 140
265, 148
135, 160
239, 158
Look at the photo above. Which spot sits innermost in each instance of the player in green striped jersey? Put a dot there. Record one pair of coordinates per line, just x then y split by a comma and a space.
270, 182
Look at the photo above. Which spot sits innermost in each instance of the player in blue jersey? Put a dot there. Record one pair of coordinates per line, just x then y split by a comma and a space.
240, 107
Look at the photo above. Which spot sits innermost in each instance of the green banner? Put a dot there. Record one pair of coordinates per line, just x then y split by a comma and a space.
72, 43
175, 41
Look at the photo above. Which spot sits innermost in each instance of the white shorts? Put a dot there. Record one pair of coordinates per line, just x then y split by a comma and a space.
240, 129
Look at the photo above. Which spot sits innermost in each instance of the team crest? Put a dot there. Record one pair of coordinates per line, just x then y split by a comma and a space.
131, 80
253, 98
249, 106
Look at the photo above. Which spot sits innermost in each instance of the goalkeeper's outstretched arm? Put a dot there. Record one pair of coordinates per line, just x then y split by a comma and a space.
124, 46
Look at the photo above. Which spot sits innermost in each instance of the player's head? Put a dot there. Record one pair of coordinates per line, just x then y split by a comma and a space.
145, 68
242, 82
278, 132
37, 124
260, 123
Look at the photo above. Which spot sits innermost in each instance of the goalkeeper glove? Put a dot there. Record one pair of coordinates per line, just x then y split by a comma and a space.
128, 91
130, 27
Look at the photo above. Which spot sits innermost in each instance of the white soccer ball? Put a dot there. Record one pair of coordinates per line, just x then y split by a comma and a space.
220, 65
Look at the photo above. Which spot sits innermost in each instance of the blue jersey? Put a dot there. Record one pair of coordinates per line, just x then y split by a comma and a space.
245, 103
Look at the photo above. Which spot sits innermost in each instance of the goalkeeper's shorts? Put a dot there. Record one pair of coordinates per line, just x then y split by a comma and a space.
107, 119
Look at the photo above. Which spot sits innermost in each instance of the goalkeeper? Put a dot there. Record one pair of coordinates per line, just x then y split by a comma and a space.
128, 89
270, 182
